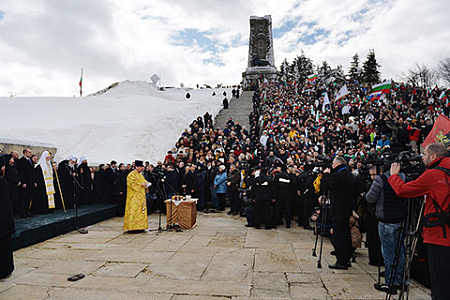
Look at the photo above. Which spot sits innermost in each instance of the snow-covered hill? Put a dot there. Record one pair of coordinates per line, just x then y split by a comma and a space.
133, 120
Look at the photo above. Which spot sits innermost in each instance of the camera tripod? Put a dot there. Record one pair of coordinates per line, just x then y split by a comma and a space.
408, 236
323, 221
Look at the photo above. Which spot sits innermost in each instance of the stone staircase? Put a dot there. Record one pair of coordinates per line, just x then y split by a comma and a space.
238, 110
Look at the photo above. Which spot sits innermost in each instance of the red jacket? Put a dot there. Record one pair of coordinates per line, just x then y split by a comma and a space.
414, 133
434, 184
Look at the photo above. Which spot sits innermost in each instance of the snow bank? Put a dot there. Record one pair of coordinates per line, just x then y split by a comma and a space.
131, 121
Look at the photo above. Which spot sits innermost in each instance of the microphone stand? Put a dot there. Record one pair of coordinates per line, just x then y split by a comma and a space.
160, 181
75, 184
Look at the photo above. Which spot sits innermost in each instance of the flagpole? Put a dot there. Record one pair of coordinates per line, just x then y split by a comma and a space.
81, 83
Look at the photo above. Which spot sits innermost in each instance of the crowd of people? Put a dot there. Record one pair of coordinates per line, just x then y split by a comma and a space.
298, 147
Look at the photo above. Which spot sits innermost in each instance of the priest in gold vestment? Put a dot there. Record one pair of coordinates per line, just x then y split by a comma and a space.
135, 218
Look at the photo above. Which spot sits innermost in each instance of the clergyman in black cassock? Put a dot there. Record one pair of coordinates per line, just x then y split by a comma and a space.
6, 230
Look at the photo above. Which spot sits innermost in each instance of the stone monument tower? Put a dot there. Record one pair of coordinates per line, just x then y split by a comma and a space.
261, 62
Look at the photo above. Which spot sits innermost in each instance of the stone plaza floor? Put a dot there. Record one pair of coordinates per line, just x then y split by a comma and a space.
218, 259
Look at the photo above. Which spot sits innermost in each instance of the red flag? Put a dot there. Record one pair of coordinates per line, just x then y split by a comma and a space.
440, 132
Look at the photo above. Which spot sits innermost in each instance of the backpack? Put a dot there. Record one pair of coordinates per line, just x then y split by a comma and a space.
440, 217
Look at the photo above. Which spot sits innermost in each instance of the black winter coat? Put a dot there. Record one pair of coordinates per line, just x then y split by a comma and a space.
171, 182
285, 186
65, 179
12, 174
200, 180
234, 178
121, 183
189, 183
341, 186
6, 215
263, 188
26, 172
110, 178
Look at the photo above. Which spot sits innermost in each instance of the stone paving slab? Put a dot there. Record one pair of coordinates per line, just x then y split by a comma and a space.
70, 267
120, 269
126, 255
235, 267
41, 279
274, 281
183, 266
190, 297
309, 292
218, 259
193, 287
74, 293
27, 292
276, 260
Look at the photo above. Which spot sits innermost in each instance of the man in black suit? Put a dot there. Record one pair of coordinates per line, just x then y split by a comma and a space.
110, 182
339, 183
121, 190
26, 170
6, 231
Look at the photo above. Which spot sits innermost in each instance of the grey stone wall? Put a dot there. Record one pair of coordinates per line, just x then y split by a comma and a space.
37, 148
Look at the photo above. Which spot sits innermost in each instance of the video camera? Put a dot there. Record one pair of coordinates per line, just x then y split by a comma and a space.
158, 173
322, 162
244, 165
411, 164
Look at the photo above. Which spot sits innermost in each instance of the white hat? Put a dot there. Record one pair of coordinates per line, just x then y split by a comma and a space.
72, 157
222, 167
80, 160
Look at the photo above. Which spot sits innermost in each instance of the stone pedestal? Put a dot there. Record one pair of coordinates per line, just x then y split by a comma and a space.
261, 62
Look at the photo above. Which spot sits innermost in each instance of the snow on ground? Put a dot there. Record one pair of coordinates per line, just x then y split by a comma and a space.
132, 121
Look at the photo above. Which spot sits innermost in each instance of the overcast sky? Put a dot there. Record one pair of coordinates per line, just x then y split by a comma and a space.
45, 43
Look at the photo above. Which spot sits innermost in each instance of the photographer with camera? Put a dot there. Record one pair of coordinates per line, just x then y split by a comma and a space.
339, 183
263, 194
434, 185
390, 212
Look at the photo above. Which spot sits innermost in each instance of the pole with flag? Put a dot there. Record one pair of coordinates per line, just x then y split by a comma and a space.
443, 97
379, 89
81, 83
312, 77
326, 101
342, 93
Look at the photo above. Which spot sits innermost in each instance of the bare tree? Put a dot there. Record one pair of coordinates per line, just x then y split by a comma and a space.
421, 76
444, 69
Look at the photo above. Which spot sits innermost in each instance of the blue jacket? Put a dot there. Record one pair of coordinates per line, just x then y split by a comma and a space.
221, 182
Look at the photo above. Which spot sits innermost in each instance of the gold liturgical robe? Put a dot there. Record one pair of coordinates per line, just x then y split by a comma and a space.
136, 208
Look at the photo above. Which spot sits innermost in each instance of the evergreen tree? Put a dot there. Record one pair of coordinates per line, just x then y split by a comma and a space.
370, 69
355, 71
284, 70
304, 66
338, 74
324, 72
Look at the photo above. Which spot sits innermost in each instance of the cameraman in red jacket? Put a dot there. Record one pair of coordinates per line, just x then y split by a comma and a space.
434, 183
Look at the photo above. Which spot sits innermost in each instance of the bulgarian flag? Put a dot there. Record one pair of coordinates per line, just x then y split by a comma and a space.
312, 77
443, 96
381, 88
81, 83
